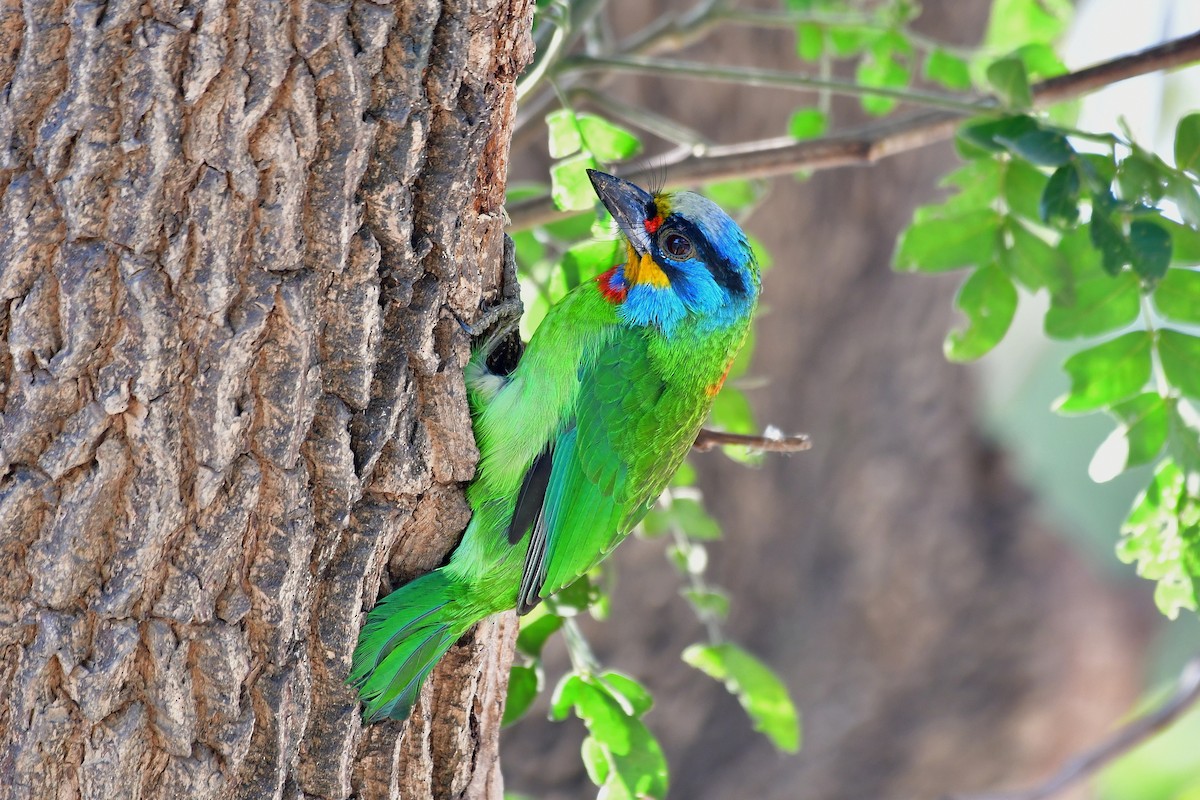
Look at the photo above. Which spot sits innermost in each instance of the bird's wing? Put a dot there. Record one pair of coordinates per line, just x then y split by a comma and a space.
632, 426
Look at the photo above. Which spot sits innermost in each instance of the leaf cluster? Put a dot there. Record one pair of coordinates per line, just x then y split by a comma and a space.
1111, 234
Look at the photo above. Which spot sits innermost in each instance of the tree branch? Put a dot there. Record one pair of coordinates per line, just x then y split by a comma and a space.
1186, 695
751, 76
864, 146
771, 442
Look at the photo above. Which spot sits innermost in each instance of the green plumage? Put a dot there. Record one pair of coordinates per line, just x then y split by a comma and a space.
616, 402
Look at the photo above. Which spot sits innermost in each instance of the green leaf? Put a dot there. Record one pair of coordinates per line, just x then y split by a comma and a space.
986, 136
1187, 143
1014, 23
1008, 77
606, 141
1024, 186
1145, 419
574, 599
1060, 200
524, 683
536, 627
564, 133
595, 760
527, 249
693, 520
1179, 354
848, 40
1150, 248
688, 557
1162, 547
1040, 60
1098, 173
1107, 373
948, 70
709, 601
1183, 437
1185, 195
1096, 305
733, 194
1041, 148
881, 69
1139, 179
1110, 240
1177, 296
1032, 262
937, 245
566, 694
569, 184
807, 123
810, 41
731, 411
625, 759
571, 228
586, 260
989, 301
1138, 439
633, 698
1186, 241
761, 693
978, 184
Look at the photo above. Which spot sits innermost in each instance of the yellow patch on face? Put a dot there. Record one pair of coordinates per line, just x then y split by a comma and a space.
642, 269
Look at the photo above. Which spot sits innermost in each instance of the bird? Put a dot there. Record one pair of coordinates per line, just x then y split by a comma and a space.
578, 441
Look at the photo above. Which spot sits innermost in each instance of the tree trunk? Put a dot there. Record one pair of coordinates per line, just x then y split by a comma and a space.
230, 390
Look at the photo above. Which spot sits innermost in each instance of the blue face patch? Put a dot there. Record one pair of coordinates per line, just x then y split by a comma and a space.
708, 264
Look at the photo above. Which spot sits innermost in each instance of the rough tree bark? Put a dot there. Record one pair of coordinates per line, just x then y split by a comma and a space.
230, 391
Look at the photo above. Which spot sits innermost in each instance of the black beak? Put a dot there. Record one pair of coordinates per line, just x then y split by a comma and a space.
630, 206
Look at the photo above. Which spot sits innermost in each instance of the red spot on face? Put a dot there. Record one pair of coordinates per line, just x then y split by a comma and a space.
653, 224
612, 293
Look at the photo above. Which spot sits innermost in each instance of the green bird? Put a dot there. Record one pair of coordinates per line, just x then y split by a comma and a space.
578, 441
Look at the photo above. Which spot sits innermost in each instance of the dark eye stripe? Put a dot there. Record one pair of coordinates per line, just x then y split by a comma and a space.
724, 272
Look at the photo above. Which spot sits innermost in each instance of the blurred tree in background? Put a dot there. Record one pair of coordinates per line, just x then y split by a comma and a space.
936, 632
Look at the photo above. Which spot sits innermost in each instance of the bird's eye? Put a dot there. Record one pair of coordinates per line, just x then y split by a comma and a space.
675, 244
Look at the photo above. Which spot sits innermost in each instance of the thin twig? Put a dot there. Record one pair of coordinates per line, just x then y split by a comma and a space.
1186, 695
751, 76
784, 155
707, 439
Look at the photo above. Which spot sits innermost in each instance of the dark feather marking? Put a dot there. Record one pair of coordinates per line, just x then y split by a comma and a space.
532, 495
724, 272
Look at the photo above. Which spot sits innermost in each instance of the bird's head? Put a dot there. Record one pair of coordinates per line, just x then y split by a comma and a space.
684, 256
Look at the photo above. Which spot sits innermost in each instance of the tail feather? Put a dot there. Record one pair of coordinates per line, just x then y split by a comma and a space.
404, 638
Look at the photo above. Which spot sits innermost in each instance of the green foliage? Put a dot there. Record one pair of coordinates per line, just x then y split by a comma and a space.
989, 301
1008, 77
581, 142
808, 123
947, 69
622, 757
1162, 537
758, 690
1095, 231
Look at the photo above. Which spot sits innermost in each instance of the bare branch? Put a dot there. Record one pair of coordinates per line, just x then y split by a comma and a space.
1186, 695
707, 439
750, 76
867, 145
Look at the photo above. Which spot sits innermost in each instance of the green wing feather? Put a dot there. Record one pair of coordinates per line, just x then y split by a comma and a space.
634, 422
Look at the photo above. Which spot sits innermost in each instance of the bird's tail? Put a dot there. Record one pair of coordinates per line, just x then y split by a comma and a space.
404, 637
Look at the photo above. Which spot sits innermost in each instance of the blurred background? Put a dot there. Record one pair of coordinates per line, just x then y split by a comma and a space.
935, 580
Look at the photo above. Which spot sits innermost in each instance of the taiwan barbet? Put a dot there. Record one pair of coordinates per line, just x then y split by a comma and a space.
578, 441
